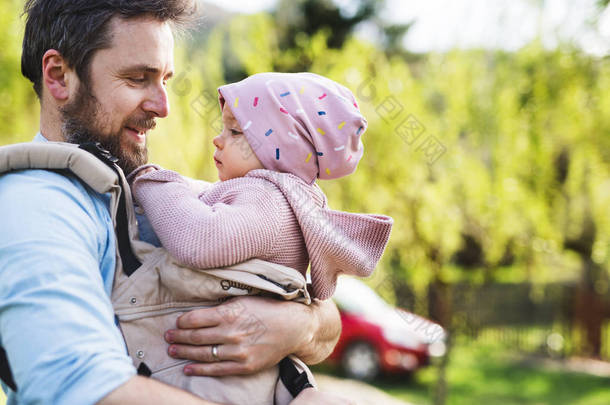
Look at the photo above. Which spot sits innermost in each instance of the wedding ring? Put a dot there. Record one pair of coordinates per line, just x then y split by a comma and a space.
215, 352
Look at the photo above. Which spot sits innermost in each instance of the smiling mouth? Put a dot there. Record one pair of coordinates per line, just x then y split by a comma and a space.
138, 135
137, 131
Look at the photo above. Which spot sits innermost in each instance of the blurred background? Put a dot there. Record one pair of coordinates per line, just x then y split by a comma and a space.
489, 145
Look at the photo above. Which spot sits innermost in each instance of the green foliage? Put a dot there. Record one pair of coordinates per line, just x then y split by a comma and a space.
18, 105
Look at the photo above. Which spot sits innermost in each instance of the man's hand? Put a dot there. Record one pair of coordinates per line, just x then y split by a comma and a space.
252, 334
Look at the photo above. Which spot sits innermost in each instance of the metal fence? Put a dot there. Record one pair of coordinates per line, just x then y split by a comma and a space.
541, 319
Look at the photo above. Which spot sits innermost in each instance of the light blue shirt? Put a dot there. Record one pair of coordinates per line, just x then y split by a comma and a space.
57, 262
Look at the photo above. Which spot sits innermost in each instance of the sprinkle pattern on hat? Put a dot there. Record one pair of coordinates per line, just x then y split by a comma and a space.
320, 130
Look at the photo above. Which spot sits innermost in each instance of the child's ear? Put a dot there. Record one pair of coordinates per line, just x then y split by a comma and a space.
55, 73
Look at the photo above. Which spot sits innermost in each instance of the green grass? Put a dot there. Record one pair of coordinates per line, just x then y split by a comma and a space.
491, 375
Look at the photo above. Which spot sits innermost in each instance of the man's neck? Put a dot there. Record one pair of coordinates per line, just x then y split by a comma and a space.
51, 123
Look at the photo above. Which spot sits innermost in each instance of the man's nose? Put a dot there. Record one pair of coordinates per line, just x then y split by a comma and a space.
157, 102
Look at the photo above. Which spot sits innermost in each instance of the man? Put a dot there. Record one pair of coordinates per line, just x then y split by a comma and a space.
100, 70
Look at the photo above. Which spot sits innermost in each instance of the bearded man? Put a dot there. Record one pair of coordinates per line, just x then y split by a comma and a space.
100, 69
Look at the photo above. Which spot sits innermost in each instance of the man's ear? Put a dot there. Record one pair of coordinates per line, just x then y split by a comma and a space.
54, 75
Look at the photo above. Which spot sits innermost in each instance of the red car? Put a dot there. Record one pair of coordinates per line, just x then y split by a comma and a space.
379, 338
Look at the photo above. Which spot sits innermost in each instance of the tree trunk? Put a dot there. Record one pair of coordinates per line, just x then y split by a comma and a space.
441, 311
589, 310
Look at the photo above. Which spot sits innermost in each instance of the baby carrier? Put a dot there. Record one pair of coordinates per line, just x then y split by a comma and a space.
151, 290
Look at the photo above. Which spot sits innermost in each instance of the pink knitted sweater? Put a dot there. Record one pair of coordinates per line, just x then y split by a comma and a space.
266, 215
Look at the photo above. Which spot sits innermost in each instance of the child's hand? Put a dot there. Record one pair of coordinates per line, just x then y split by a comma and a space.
144, 171
140, 171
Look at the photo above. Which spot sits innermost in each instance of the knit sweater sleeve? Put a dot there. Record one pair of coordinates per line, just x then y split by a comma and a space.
239, 223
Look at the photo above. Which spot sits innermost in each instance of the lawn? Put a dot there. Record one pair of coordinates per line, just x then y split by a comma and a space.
491, 375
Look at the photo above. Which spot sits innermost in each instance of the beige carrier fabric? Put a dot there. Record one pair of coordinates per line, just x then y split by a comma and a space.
149, 301
57, 155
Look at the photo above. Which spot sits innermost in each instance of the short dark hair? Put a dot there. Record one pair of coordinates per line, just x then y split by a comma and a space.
79, 28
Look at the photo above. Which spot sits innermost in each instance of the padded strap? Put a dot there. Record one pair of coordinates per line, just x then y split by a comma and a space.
5, 371
128, 258
293, 380
58, 156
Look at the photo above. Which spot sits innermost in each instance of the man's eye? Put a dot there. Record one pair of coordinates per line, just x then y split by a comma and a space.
137, 79
236, 132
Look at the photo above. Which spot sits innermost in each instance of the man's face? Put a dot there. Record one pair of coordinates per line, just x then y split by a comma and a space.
126, 91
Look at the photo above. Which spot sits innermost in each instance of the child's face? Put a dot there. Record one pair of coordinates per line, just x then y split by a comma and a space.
234, 156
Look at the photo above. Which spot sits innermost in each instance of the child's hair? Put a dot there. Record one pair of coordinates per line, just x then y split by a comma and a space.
300, 123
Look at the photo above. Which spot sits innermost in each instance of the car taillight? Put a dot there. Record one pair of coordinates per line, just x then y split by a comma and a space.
405, 360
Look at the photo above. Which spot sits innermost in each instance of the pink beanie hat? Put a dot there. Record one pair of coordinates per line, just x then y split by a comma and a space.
299, 123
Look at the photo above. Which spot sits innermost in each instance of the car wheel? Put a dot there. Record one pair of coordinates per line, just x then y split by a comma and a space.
360, 361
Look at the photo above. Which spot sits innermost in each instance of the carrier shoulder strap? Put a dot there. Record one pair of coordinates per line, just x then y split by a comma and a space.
129, 261
59, 156
96, 168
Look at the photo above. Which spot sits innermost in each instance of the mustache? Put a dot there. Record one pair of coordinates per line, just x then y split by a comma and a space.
147, 124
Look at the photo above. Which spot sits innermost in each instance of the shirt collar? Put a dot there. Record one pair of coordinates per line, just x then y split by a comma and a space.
40, 138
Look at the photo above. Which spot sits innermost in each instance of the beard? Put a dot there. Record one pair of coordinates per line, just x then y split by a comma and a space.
82, 119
